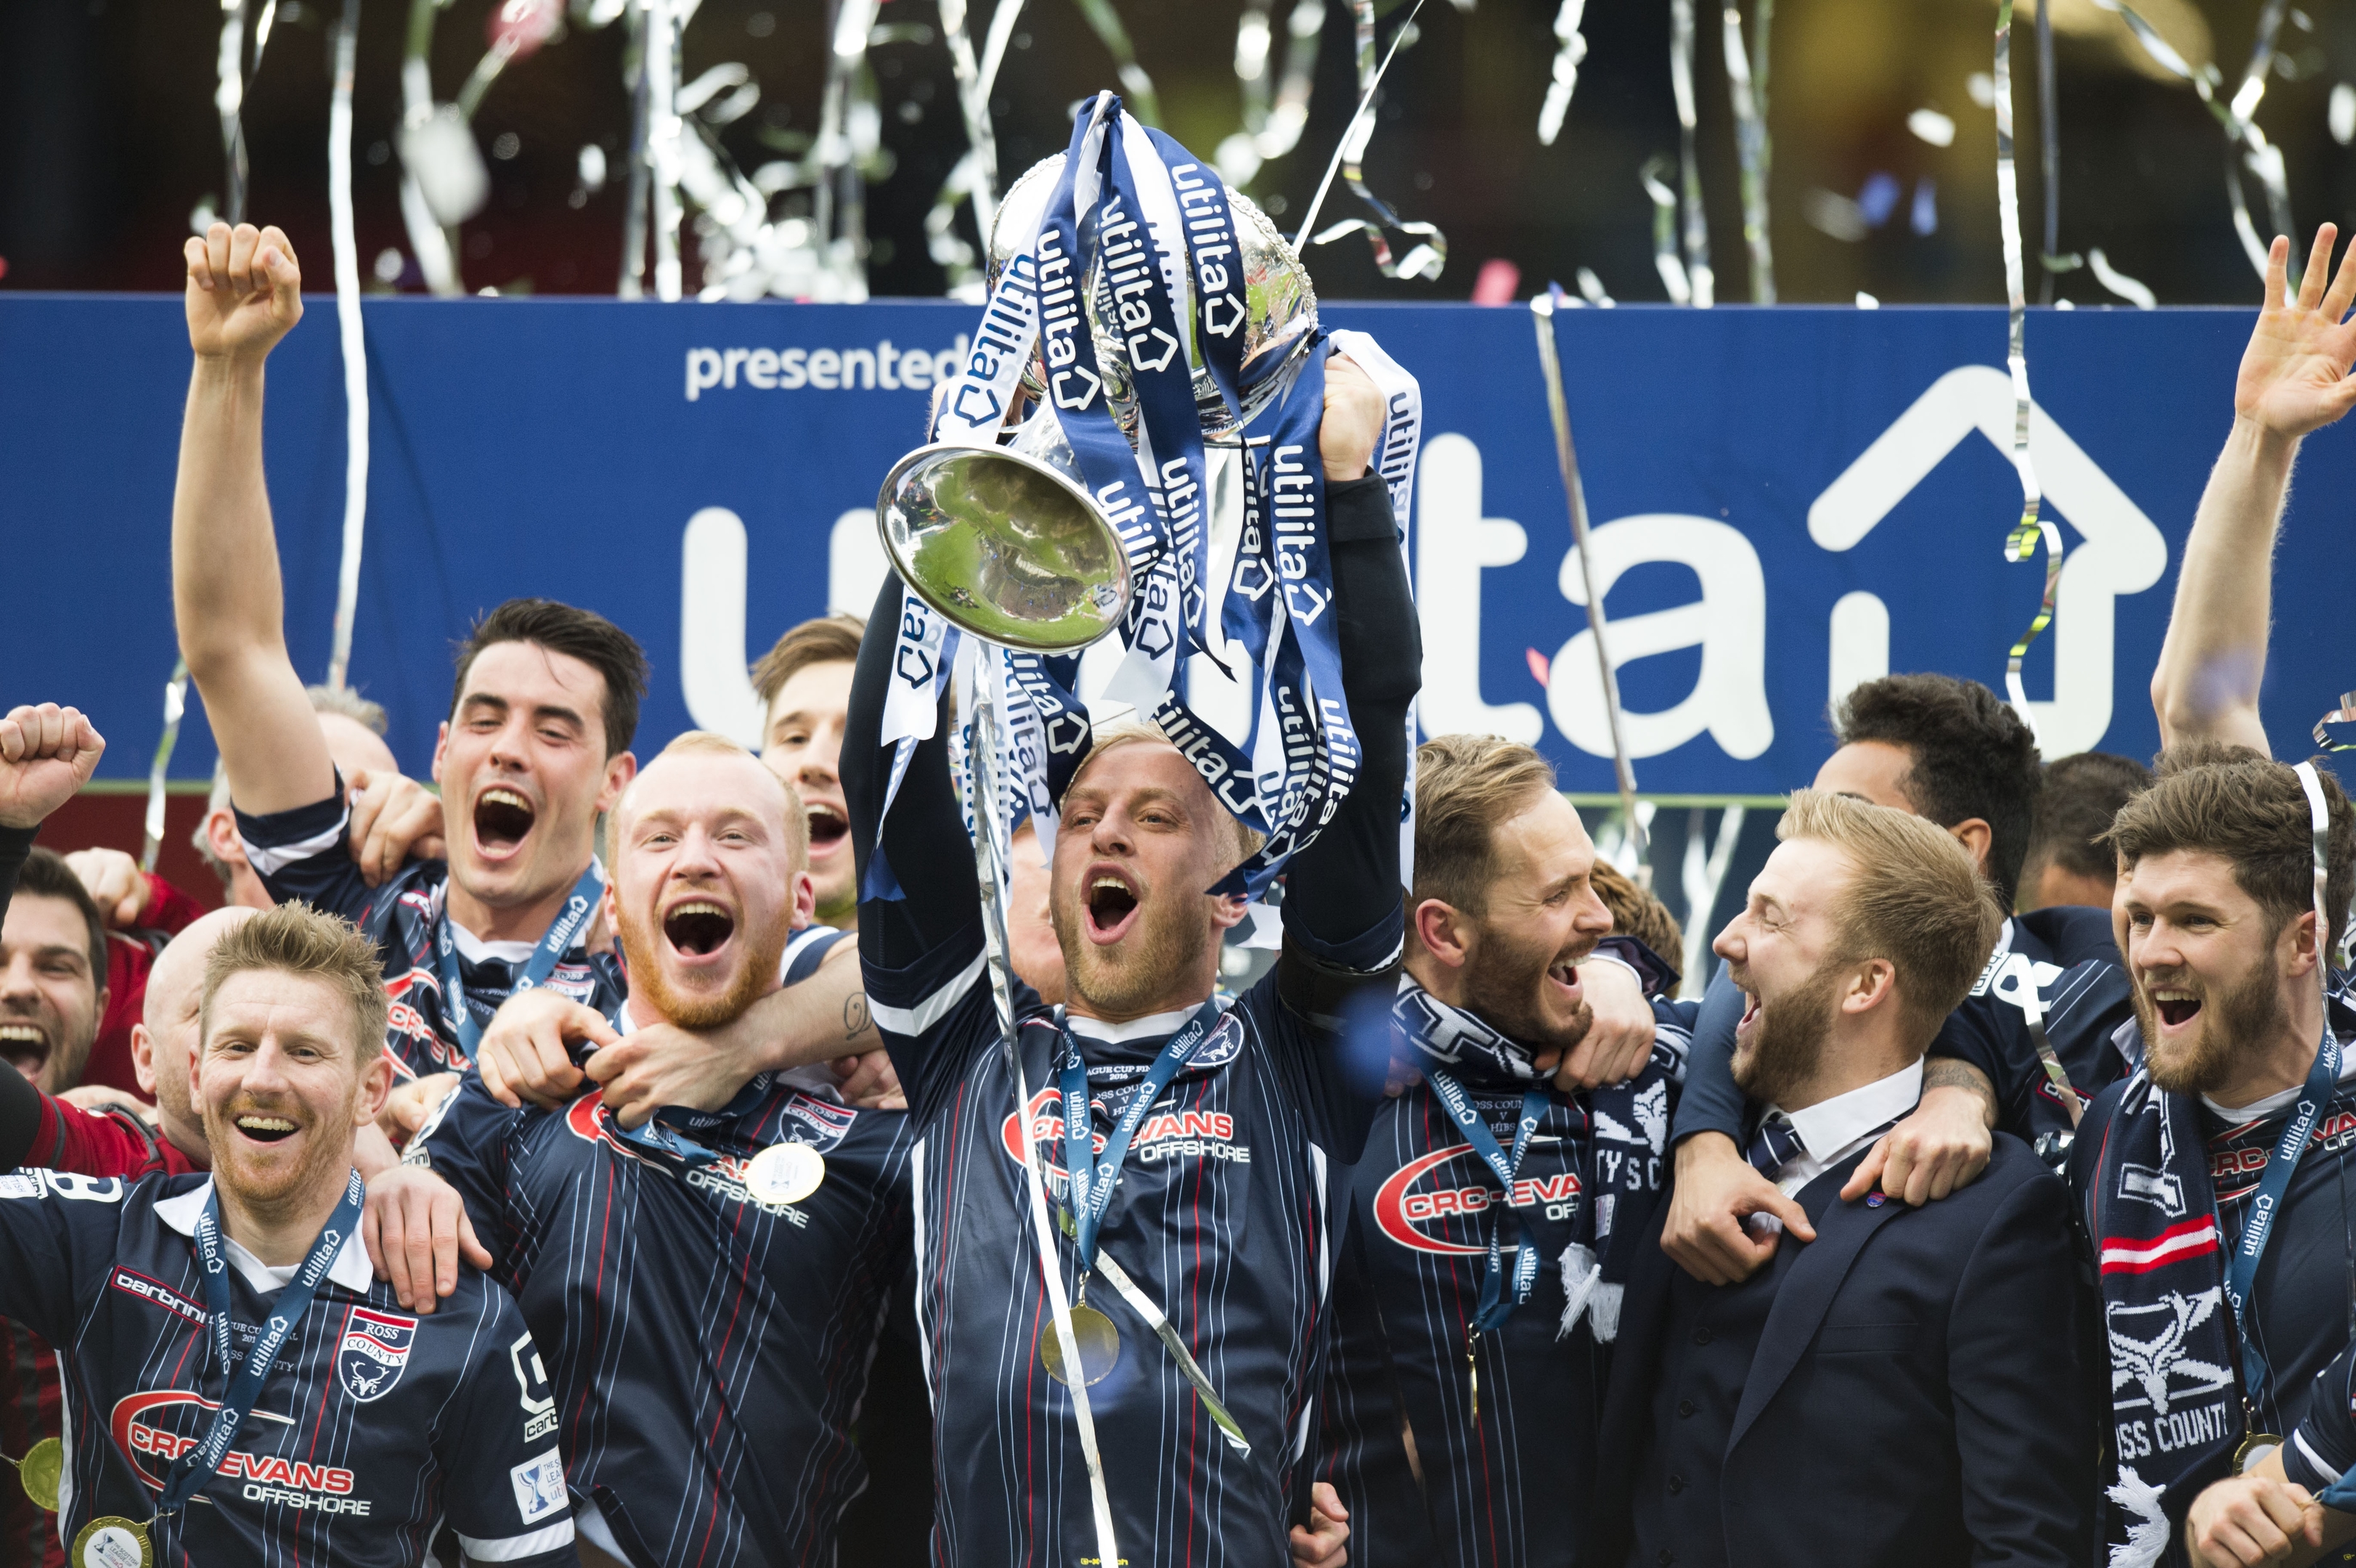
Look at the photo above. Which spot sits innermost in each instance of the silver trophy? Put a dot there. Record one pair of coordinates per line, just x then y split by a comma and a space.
1006, 542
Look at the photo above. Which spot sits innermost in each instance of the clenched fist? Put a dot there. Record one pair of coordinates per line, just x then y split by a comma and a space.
245, 292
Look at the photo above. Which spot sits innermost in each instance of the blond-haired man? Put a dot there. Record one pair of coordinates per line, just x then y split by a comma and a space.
224, 1338
1904, 1389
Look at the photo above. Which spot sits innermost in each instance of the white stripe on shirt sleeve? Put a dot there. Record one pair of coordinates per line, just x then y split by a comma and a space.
268, 860
2315, 1461
509, 1548
913, 1021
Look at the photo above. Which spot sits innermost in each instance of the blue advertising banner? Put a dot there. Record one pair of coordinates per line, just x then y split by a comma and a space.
1786, 502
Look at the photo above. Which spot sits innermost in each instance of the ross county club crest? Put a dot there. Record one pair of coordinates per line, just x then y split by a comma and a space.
374, 1352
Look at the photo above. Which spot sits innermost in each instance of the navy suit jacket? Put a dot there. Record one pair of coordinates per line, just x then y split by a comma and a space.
1918, 1396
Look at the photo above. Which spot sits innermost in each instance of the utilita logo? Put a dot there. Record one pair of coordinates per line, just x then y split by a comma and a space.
1416, 1210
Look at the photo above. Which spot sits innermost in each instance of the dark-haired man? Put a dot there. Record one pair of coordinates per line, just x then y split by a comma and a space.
2217, 911
2028, 1043
535, 750
52, 974
1493, 1211
2067, 861
1223, 1214
1905, 1387
804, 687
2213, 1183
707, 1332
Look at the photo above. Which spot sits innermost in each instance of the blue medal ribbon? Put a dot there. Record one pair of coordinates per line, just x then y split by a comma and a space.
2242, 1266
192, 1470
1093, 1178
551, 949
664, 1134
1493, 1308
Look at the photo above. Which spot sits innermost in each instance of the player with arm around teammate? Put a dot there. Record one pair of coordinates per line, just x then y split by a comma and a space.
706, 1290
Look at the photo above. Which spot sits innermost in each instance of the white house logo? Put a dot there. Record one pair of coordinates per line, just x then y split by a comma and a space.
374, 1352
1422, 1206
2120, 553
2148, 1351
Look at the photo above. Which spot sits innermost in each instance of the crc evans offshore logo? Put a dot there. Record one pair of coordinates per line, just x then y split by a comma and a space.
374, 1352
2237, 1171
1165, 1134
142, 1425
1421, 1205
588, 1119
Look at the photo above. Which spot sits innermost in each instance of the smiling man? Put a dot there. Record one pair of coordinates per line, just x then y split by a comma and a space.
1904, 1388
1225, 1207
804, 687
708, 1312
1491, 1357
2213, 1183
52, 974
362, 1430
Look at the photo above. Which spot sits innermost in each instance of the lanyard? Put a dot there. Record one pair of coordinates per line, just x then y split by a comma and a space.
1090, 1197
537, 968
2242, 1267
658, 1136
1493, 1309
192, 1470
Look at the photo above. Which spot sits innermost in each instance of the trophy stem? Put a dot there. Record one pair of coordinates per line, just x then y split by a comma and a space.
978, 784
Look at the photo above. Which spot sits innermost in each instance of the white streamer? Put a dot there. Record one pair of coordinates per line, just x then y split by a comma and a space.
348, 335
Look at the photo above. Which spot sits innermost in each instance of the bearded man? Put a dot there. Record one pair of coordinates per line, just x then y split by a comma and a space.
1494, 1212
705, 1289
2213, 1182
1904, 1388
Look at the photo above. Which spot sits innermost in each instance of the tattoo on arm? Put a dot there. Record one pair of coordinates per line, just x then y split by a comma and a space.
854, 1015
1947, 1073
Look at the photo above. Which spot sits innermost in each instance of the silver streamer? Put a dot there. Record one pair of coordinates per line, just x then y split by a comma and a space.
1542, 309
2049, 134
849, 130
1429, 255
175, 703
1705, 874
1699, 279
661, 67
1289, 115
228, 97
443, 181
1665, 260
1746, 85
979, 166
1569, 49
355, 350
2021, 542
1136, 87
2246, 144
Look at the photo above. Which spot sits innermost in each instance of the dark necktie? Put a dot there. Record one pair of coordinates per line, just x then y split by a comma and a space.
1776, 1144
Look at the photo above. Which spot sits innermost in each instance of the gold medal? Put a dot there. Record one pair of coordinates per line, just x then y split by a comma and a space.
1099, 1344
40, 1470
2254, 1450
784, 1174
112, 1543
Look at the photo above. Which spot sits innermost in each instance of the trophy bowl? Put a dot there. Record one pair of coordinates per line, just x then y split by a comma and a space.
1004, 547
1280, 304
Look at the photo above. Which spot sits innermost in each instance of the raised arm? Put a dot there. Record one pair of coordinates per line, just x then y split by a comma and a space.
2293, 379
244, 294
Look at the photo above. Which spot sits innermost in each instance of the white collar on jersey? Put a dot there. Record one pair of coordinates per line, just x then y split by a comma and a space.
1146, 1028
2260, 1109
475, 950
351, 1268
